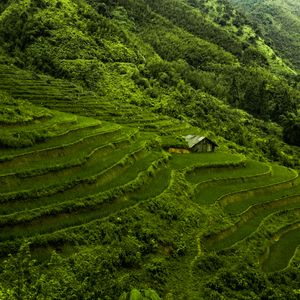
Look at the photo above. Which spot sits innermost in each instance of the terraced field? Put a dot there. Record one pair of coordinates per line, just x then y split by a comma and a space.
99, 169
283, 249
249, 203
111, 159
59, 94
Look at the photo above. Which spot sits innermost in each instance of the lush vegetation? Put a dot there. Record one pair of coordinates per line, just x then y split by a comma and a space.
92, 204
109, 205
155, 54
279, 24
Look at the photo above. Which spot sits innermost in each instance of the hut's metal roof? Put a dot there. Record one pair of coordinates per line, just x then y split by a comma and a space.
193, 140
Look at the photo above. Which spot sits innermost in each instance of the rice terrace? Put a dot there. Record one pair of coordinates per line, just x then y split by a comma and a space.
146, 185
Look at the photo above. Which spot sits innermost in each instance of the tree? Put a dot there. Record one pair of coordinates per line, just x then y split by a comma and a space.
147, 294
291, 130
18, 275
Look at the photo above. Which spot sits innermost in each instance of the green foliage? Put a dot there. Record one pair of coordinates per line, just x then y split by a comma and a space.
21, 112
25, 125
291, 130
279, 24
17, 275
126, 217
18, 112
135, 294
242, 282
156, 54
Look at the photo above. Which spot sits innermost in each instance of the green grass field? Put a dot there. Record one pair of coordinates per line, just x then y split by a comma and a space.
237, 208
83, 160
226, 192
282, 251
82, 215
194, 160
250, 221
67, 136
251, 168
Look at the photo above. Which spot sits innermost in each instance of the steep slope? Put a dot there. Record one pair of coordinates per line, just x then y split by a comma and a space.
120, 212
91, 203
210, 115
219, 23
279, 23
147, 54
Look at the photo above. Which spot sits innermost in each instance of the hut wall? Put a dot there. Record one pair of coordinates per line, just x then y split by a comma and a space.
203, 146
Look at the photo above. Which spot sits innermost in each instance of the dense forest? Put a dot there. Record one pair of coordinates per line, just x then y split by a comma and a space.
229, 69
278, 22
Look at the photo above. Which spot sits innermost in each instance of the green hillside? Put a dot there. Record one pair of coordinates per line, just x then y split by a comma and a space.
93, 205
117, 208
119, 56
279, 24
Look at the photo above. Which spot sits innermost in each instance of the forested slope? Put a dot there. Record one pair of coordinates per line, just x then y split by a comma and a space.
180, 58
92, 206
278, 22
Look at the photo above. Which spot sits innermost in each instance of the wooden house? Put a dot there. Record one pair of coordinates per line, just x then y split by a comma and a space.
200, 143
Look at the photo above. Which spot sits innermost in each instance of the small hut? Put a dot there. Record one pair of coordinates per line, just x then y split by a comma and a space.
200, 143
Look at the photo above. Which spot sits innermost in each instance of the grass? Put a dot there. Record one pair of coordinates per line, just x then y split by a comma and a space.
239, 207
158, 184
28, 134
57, 94
55, 158
65, 180
282, 251
184, 161
66, 155
129, 172
209, 194
70, 135
147, 184
49, 223
91, 179
88, 164
245, 228
14, 112
251, 168
253, 208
